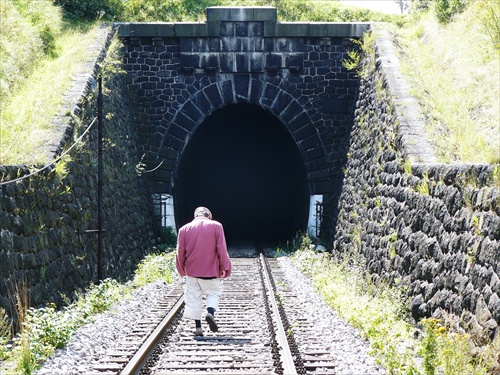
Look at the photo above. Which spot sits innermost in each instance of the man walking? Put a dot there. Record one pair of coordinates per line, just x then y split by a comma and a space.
203, 258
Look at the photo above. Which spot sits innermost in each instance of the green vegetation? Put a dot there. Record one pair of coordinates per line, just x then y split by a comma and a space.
451, 58
155, 267
46, 329
381, 314
5, 333
450, 54
42, 52
28, 34
43, 43
168, 238
27, 111
423, 186
194, 10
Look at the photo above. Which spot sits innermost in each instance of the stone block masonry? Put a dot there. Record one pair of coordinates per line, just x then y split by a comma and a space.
180, 73
43, 218
429, 228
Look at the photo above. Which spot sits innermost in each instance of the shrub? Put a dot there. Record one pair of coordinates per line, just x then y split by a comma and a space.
446, 9
90, 10
488, 13
416, 6
100, 297
43, 330
167, 10
447, 351
49, 329
155, 267
168, 237
46, 18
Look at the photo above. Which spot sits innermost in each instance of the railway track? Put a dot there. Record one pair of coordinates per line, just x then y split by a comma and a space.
255, 334
121, 354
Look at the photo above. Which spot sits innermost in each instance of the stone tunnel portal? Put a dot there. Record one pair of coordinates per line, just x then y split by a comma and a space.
243, 164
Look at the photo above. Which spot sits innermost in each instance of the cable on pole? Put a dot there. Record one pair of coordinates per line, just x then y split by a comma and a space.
54, 161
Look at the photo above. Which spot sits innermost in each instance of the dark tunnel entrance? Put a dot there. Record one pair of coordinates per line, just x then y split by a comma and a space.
243, 164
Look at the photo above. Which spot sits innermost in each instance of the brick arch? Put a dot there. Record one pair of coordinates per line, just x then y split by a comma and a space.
240, 88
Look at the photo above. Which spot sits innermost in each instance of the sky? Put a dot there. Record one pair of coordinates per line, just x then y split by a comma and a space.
386, 6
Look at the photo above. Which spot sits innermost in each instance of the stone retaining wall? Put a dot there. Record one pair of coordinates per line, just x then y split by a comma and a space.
43, 218
432, 229
181, 73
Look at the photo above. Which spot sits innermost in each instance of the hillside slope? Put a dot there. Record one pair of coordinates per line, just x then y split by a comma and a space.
453, 68
454, 72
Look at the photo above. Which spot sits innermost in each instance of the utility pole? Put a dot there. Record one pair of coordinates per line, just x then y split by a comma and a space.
100, 214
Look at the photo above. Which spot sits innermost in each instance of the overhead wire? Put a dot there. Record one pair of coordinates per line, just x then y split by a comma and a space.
54, 161
155, 168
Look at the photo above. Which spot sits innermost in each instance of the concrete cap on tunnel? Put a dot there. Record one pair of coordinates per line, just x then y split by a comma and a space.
241, 13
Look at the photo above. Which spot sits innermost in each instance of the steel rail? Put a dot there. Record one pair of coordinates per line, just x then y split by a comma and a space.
281, 337
141, 356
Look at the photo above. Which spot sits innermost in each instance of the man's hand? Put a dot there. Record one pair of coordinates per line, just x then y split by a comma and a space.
222, 274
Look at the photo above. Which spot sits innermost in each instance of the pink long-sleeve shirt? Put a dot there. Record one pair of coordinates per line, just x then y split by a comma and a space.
202, 249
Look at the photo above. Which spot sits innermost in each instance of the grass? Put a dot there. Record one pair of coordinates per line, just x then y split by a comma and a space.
462, 122
456, 81
5, 333
381, 314
27, 34
27, 116
40, 80
43, 330
155, 267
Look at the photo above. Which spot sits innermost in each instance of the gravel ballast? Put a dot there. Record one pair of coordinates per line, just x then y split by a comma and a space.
91, 341
342, 340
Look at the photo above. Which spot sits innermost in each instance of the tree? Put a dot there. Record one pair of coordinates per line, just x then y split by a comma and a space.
89, 10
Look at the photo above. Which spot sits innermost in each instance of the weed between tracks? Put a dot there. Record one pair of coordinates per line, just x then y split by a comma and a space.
381, 313
46, 329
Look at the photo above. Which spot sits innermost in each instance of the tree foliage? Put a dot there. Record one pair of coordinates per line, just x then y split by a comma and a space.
446, 9
443, 9
90, 10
